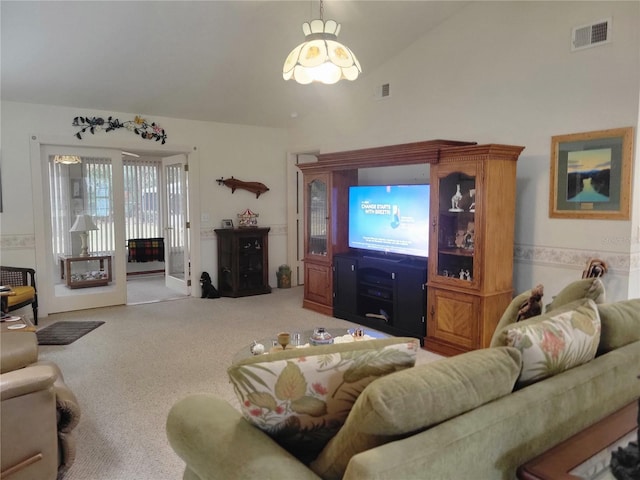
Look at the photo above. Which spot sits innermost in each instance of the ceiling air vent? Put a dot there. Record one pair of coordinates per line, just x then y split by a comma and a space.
383, 91
592, 35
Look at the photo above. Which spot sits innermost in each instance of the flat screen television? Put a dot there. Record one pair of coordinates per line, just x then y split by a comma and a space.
390, 219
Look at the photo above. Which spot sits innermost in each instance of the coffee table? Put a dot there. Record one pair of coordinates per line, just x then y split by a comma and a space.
586, 455
271, 344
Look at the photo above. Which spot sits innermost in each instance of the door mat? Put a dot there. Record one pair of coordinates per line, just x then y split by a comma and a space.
64, 333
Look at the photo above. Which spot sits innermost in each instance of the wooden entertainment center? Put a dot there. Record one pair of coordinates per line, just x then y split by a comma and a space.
469, 272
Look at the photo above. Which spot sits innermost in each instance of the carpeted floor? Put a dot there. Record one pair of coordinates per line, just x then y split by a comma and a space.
65, 333
149, 289
129, 372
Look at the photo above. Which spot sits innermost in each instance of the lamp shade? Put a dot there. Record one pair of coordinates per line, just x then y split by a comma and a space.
321, 58
83, 223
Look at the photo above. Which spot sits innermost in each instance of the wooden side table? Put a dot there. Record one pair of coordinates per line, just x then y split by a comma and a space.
559, 462
88, 277
22, 324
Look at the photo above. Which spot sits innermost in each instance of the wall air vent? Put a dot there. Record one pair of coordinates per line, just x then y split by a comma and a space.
592, 35
382, 91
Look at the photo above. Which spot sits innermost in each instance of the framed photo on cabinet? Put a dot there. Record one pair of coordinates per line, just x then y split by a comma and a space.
591, 175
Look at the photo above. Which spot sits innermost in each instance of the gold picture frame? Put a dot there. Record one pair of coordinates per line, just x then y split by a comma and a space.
591, 175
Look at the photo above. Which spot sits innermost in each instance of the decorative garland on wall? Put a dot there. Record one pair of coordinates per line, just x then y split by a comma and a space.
139, 126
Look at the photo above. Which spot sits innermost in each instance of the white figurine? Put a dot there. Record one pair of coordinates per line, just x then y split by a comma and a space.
455, 200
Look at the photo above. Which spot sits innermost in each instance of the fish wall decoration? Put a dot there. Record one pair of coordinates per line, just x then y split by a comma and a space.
253, 187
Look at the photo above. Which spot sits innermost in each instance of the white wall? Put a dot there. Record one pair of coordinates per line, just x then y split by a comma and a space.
247, 153
503, 72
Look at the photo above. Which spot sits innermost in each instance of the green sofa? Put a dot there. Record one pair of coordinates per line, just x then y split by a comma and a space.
456, 418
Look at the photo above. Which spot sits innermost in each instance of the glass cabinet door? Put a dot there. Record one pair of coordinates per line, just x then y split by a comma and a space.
317, 215
456, 226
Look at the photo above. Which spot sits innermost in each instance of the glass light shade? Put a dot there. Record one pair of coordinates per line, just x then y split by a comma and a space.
67, 159
321, 58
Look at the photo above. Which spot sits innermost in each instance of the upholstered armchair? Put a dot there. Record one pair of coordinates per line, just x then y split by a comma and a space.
23, 282
37, 410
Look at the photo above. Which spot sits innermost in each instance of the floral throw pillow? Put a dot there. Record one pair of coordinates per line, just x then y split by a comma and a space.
557, 342
301, 397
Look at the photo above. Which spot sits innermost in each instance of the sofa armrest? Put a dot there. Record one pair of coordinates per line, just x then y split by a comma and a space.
216, 442
18, 349
28, 417
26, 380
67, 408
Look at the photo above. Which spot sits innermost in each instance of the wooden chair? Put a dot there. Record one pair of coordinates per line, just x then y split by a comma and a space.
23, 282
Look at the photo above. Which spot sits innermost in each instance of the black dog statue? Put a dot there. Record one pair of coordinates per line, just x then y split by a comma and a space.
208, 290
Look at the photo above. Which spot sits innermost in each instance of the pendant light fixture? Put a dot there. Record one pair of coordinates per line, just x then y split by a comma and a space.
321, 58
67, 159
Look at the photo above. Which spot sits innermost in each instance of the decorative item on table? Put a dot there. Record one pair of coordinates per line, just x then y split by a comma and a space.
455, 200
256, 348
227, 223
283, 339
296, 339
248, 219
320, 336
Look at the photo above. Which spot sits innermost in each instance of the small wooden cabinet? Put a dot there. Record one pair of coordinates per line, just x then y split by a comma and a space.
473, 200
243, 261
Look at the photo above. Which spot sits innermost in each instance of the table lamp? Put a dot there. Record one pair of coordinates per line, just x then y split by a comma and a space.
83, 224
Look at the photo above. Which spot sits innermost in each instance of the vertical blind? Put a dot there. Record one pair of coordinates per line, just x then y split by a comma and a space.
141, 202
61, 217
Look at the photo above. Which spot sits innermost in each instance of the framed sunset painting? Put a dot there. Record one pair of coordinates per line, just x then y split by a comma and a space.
591, 175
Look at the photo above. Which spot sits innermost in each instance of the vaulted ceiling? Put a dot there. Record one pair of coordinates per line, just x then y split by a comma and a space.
203, 60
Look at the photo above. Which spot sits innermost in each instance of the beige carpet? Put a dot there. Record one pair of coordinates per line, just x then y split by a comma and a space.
149, 289
129, 372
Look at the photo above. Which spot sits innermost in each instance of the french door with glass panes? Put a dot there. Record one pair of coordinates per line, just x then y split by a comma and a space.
83, 210
176, 225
